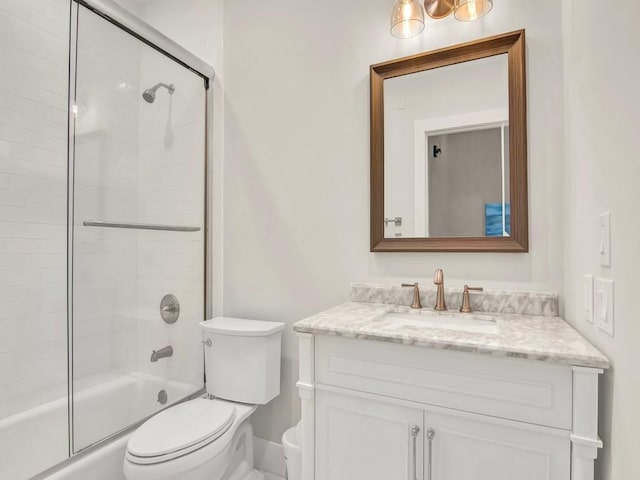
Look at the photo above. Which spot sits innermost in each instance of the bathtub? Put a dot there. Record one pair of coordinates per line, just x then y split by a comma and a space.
36, 439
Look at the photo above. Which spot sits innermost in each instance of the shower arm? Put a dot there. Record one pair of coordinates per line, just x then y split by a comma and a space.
170, 87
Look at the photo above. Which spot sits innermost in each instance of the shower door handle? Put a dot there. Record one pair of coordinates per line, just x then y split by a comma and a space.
140, 226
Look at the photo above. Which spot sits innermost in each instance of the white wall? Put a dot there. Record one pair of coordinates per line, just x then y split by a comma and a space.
194, 24
602, 169
296, 229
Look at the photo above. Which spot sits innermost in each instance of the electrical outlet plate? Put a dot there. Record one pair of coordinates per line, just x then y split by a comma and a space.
588, 298
603, 308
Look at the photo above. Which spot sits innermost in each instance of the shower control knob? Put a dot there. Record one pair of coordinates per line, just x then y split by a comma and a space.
208, 342
170, 309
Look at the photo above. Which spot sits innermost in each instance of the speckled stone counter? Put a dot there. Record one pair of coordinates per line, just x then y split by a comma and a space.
535, 337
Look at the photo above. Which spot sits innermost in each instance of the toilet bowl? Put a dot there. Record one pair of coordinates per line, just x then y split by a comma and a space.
211, 438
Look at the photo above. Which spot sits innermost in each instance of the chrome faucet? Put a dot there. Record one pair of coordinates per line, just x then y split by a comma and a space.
162, 353
438, 280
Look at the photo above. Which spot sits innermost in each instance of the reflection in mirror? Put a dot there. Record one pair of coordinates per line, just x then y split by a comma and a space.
467, 184
446, 151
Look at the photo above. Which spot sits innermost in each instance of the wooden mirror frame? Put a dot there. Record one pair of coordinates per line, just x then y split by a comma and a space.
513, 44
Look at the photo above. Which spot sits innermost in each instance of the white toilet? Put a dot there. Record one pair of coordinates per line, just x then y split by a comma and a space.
211, 438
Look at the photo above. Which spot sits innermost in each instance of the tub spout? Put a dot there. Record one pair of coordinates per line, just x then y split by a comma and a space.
162, 353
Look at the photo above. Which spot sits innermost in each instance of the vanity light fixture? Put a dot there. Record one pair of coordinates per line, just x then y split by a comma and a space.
438, 9
407, 16
470, 10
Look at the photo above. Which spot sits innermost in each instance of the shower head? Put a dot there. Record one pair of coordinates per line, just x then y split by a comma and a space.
149, 94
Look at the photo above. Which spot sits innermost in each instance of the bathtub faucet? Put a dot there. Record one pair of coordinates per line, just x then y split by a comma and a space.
162, 353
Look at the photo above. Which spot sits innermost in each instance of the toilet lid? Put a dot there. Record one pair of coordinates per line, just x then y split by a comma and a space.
182, 426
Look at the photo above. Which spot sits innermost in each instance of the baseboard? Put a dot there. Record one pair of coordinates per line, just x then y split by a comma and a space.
272, 476
269, 457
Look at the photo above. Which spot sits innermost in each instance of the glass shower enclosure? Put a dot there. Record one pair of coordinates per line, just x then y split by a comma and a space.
137, 232
112, 335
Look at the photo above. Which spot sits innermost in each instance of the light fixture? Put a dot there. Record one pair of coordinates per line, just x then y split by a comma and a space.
438, 9
407, 18
469, 10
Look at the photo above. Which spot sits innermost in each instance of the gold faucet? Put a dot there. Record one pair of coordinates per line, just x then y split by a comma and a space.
416, 294
466, 304
438, 280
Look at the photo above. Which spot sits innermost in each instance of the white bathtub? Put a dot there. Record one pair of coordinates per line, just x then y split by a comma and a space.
36, 439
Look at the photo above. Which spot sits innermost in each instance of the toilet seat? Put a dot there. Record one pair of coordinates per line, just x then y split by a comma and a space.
180, 430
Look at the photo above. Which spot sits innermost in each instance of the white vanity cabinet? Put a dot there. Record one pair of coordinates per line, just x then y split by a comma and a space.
479, 447
366, 438
374, 410
360, 437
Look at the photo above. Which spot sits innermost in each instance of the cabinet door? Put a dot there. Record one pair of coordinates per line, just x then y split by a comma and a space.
476, 447
366, 439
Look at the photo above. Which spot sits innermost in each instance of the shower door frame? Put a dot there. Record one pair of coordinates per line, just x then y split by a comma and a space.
133, 26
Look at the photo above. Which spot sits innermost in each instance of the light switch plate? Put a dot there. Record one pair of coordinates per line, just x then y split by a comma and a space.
605, 239
588, 298
603, 308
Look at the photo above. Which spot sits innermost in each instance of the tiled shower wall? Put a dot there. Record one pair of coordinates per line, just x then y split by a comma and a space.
105, 188
144, 163
171, 191
33, 202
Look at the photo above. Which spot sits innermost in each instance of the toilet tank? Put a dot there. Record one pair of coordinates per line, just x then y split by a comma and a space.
242, 361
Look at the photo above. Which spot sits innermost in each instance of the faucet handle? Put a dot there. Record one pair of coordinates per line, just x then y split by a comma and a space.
416, 294
475, 289
466, 303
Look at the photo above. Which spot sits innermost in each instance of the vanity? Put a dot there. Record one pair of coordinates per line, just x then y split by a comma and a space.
507, 392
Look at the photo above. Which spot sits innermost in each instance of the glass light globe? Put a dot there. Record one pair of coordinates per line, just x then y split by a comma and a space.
407, 18
470, 10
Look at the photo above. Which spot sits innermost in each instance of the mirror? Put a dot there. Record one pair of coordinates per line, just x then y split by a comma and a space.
448, 156
444, 151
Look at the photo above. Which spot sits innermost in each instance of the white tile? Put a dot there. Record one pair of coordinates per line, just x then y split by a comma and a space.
33, 90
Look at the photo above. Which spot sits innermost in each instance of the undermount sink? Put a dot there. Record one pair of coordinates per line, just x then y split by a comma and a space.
447, 320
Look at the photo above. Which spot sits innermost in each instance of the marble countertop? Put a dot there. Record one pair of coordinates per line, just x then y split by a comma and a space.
533, 337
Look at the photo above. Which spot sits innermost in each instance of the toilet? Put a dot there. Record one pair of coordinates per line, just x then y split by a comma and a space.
210, 438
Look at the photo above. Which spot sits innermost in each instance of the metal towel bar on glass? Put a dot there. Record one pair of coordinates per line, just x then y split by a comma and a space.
139, 226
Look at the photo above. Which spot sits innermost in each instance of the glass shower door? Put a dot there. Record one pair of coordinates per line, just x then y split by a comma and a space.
138, 209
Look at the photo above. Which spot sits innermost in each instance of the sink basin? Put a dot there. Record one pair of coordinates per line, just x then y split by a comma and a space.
447, 320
